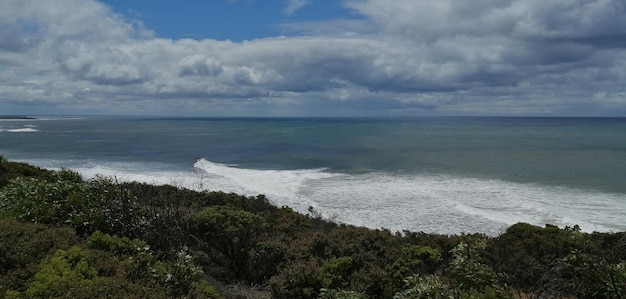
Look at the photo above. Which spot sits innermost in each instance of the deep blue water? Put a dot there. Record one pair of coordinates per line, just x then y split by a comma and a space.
433, 174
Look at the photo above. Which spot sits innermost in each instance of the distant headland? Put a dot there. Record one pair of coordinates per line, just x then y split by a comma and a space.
15, 117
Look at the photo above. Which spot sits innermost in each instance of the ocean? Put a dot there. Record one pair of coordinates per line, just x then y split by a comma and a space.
436, 175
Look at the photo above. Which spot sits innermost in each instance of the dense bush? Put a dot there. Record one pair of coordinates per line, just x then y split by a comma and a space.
10, 170
298, 279
228, 235
413, 260
340, 294
526, 252
99, 204
82, 273
23, 246
113, 267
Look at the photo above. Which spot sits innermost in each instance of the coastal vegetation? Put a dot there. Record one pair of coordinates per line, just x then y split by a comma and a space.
65, 237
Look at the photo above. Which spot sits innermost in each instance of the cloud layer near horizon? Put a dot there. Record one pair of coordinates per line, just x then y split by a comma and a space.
427, 57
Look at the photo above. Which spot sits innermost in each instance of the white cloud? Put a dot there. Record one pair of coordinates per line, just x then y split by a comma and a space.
428, 20
294, 5
200, 65
433, 56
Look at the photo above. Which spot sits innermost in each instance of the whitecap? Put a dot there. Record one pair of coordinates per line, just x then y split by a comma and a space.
22, 130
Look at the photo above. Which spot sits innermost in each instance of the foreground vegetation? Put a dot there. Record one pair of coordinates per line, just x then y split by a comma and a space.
63, 237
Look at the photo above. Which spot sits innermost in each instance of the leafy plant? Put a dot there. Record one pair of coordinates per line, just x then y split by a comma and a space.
230, 232
63, 273
340, 294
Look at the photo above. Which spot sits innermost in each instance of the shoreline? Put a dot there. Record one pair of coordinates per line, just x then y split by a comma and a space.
488, 209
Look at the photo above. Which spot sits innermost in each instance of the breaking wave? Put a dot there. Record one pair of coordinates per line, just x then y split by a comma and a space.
20, 130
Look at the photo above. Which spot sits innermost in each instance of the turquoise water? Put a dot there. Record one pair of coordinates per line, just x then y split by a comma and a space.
445, 175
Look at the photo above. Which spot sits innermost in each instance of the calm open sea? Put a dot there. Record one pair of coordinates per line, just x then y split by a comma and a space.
442, 175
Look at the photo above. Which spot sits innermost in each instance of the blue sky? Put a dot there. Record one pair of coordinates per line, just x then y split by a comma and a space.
227, 20
313, 57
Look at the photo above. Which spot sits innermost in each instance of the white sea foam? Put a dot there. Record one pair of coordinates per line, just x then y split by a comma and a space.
278, 183
15, 119
429, 203
21, 130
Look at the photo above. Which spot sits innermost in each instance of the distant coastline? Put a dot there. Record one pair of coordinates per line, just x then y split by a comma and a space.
15, 117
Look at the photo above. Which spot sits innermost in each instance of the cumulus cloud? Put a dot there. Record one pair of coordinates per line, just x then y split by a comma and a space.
199, 65
416, 57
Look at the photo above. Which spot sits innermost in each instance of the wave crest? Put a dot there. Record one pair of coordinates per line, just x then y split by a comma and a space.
20, 130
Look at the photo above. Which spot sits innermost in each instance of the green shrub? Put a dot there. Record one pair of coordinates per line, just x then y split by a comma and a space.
438, 287
585, 275
425, 287
114, 267
526, 252
179, 274
39, 201
23, 246
229, 235
298, 279
335, 273
11, 170
340, 294
133, 258
99, 204
266, 258
61, 275
121, 247
414, 260
81, 273
468, 269
203, 290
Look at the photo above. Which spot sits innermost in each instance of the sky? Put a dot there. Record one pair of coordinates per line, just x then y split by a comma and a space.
313, 57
